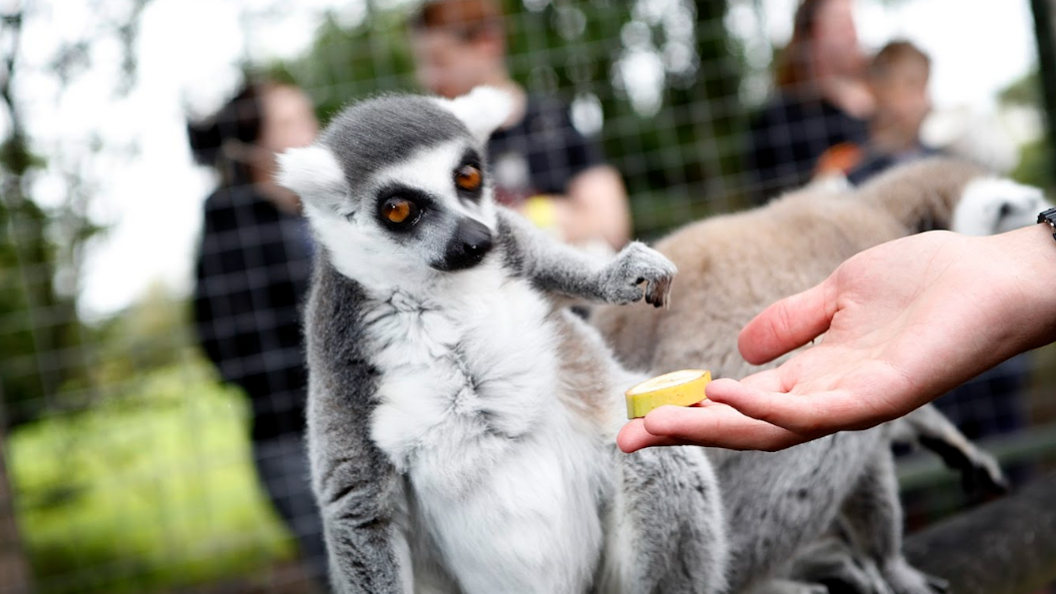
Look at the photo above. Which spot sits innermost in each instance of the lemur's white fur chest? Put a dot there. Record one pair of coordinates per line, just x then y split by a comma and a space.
469, 410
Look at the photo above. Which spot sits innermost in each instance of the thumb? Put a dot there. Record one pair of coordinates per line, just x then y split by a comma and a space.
788, 324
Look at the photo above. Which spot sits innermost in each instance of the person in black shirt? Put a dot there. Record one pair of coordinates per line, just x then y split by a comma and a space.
252, 273
540, 163
821, 100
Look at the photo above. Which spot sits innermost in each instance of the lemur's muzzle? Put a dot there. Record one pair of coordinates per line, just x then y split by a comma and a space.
469, 244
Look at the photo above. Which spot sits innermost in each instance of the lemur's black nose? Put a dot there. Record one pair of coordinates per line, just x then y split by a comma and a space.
469, 244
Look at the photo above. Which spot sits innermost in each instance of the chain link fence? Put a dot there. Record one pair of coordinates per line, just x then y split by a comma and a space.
128, 464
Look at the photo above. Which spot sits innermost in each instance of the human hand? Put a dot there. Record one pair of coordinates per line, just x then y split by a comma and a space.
903, 323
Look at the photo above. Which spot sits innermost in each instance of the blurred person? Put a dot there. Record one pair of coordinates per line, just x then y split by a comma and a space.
252, 273
898, 79
541, 164
821, 99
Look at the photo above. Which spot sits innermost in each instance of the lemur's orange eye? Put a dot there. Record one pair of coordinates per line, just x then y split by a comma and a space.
399, 210
468, 178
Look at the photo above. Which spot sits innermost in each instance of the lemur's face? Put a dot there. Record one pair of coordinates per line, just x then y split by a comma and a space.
398, 185
434, 210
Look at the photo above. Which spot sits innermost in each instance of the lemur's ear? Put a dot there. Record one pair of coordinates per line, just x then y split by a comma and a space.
314, 174
482, 110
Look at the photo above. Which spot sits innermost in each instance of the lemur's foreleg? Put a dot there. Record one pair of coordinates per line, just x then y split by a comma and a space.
564, 270
668, 527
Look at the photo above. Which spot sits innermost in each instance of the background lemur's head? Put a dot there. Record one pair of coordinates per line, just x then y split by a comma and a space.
944, 193
397, 185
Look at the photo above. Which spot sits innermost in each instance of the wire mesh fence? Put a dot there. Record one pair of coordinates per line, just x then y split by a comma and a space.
131, 465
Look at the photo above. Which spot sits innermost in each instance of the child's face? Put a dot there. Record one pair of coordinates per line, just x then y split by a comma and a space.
902, 96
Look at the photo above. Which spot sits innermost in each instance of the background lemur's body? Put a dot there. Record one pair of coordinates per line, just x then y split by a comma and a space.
731, 267
461, 427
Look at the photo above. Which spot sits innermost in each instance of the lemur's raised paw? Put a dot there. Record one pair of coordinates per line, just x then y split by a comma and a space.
636, 264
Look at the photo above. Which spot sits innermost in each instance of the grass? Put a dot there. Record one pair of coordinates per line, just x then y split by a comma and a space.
151, 491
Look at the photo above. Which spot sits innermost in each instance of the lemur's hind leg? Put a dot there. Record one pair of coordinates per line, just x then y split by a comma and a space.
872, 515
666, 528
833, 562
929, 428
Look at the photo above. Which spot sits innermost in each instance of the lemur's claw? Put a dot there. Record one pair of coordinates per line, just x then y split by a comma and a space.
658, 292
937, 584
635, 265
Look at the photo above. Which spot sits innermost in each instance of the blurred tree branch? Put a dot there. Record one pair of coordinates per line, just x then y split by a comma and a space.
42, 246
14, 569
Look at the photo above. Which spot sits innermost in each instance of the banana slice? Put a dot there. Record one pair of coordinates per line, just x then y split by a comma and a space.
681, 388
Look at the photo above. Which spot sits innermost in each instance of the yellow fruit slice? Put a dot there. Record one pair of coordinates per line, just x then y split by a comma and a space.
681, 388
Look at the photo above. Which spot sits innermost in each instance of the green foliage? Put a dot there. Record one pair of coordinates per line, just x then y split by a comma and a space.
350, 62
152, 490
38, 325
153, 333
1035, 164
20, 380
42, 340
1036, 158
1025, 92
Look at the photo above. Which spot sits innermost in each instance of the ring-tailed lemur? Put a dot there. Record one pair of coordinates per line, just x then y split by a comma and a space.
460, 425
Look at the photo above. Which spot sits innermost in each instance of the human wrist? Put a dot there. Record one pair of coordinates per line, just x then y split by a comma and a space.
1024, 263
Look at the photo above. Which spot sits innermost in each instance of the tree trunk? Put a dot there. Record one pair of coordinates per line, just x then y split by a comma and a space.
14, 569
1045, 34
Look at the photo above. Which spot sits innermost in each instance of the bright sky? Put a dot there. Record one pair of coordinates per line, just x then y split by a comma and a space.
188, 51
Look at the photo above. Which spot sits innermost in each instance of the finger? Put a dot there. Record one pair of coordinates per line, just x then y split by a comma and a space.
769, 380
717, 426
811, 416
788, 324
633, 437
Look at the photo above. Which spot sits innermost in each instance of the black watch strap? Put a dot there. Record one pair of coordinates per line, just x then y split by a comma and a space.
1049, 216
